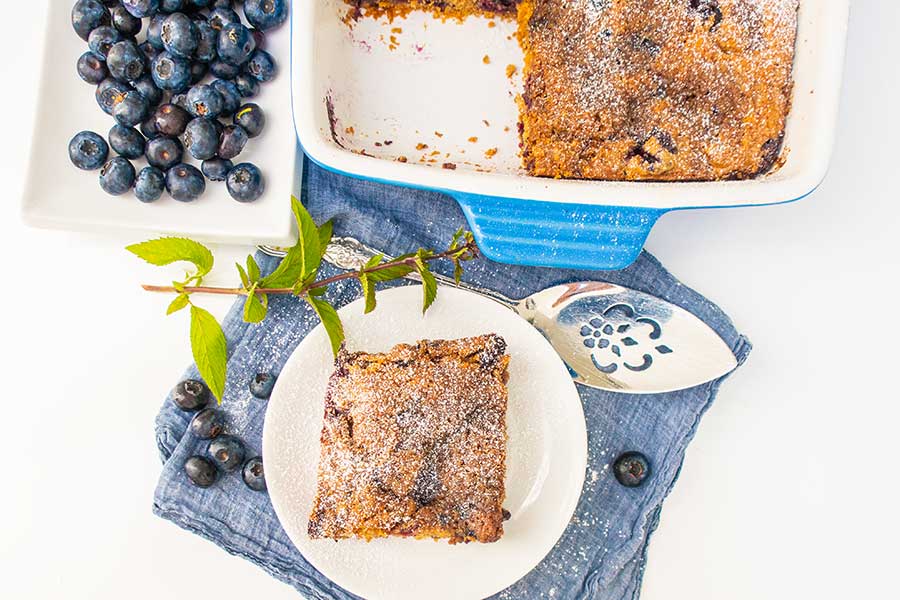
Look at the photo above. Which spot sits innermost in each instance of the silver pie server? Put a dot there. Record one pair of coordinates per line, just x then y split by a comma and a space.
610, 337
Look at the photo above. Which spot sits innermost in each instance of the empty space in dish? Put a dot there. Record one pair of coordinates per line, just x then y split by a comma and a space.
403, 86
424, 90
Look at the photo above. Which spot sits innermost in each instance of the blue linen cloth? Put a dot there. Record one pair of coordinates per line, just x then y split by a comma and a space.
603, 551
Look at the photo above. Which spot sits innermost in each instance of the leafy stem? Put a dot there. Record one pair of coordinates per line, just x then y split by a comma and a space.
296, 274
240, 291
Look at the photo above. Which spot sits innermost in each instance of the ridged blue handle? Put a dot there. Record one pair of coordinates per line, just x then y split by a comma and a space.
557, 234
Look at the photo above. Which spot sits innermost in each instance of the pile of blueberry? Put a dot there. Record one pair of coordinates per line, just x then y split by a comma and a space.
158, 86
224, 452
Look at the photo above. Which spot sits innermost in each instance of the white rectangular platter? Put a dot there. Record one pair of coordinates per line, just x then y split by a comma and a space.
58, 195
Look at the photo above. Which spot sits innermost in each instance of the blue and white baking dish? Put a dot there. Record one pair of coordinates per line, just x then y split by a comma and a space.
441, 96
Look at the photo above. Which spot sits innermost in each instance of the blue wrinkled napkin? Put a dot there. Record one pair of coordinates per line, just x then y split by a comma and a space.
602, 553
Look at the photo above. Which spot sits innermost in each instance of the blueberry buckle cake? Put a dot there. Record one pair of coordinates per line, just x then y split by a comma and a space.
413, 443
664, 90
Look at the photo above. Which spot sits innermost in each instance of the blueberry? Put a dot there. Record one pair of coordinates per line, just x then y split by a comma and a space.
223, 4
631, 469
198, 71
216, 169
146, 86
252, 118
232, 141
92, 69
205, 101
231, 97
150, 184
150, 51
265, 14
262, 385
254, 475
132, 110
206, 42
127, 141
102, 39
201, 138
127, 24
110, 93
226, 452
149, 129
164, 152
220, 17
191, 394
208, 423
201, 471
247, 85
171, 72
185, 183
117, 176
223, 70
180, 100
179, 35
170, 6
88, 150
125, 61
245, 183
235, 44
261, 65
141, 8
88, 15
154, 31
171, 119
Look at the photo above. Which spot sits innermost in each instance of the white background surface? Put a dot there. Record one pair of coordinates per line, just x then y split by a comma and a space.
787, 490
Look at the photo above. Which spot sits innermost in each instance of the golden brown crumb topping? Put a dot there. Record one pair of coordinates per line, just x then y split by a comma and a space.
414, 443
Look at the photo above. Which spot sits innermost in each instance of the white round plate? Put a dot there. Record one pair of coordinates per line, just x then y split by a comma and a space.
545, 463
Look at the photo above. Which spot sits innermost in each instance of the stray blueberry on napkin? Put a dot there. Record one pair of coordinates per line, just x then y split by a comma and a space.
631, 469
262, 384
191, 395
201, 471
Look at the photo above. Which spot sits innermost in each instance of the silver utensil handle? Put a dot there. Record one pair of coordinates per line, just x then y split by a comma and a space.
351, 254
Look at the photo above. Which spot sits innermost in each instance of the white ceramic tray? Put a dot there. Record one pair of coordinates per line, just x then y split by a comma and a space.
58, 195
408, 81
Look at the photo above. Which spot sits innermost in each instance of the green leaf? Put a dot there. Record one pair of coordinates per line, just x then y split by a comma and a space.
288, 271
180, 301
165, 251
391, 273
209, 349
308, 238
319, 291
296, 263
255, 307
454, 243
252, 269
368, 289
429, 284
326, 230
374, 261
245, 279
330, 320
457, 270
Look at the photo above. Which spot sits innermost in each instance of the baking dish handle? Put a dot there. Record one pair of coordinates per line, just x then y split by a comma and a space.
557, 234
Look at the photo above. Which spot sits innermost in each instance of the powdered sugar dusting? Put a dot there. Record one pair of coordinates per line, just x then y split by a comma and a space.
659, 89
414, 443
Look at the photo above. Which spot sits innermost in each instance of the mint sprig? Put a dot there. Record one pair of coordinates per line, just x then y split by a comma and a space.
296, 274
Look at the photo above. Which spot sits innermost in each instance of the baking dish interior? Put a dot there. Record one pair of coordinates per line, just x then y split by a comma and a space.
431, 103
